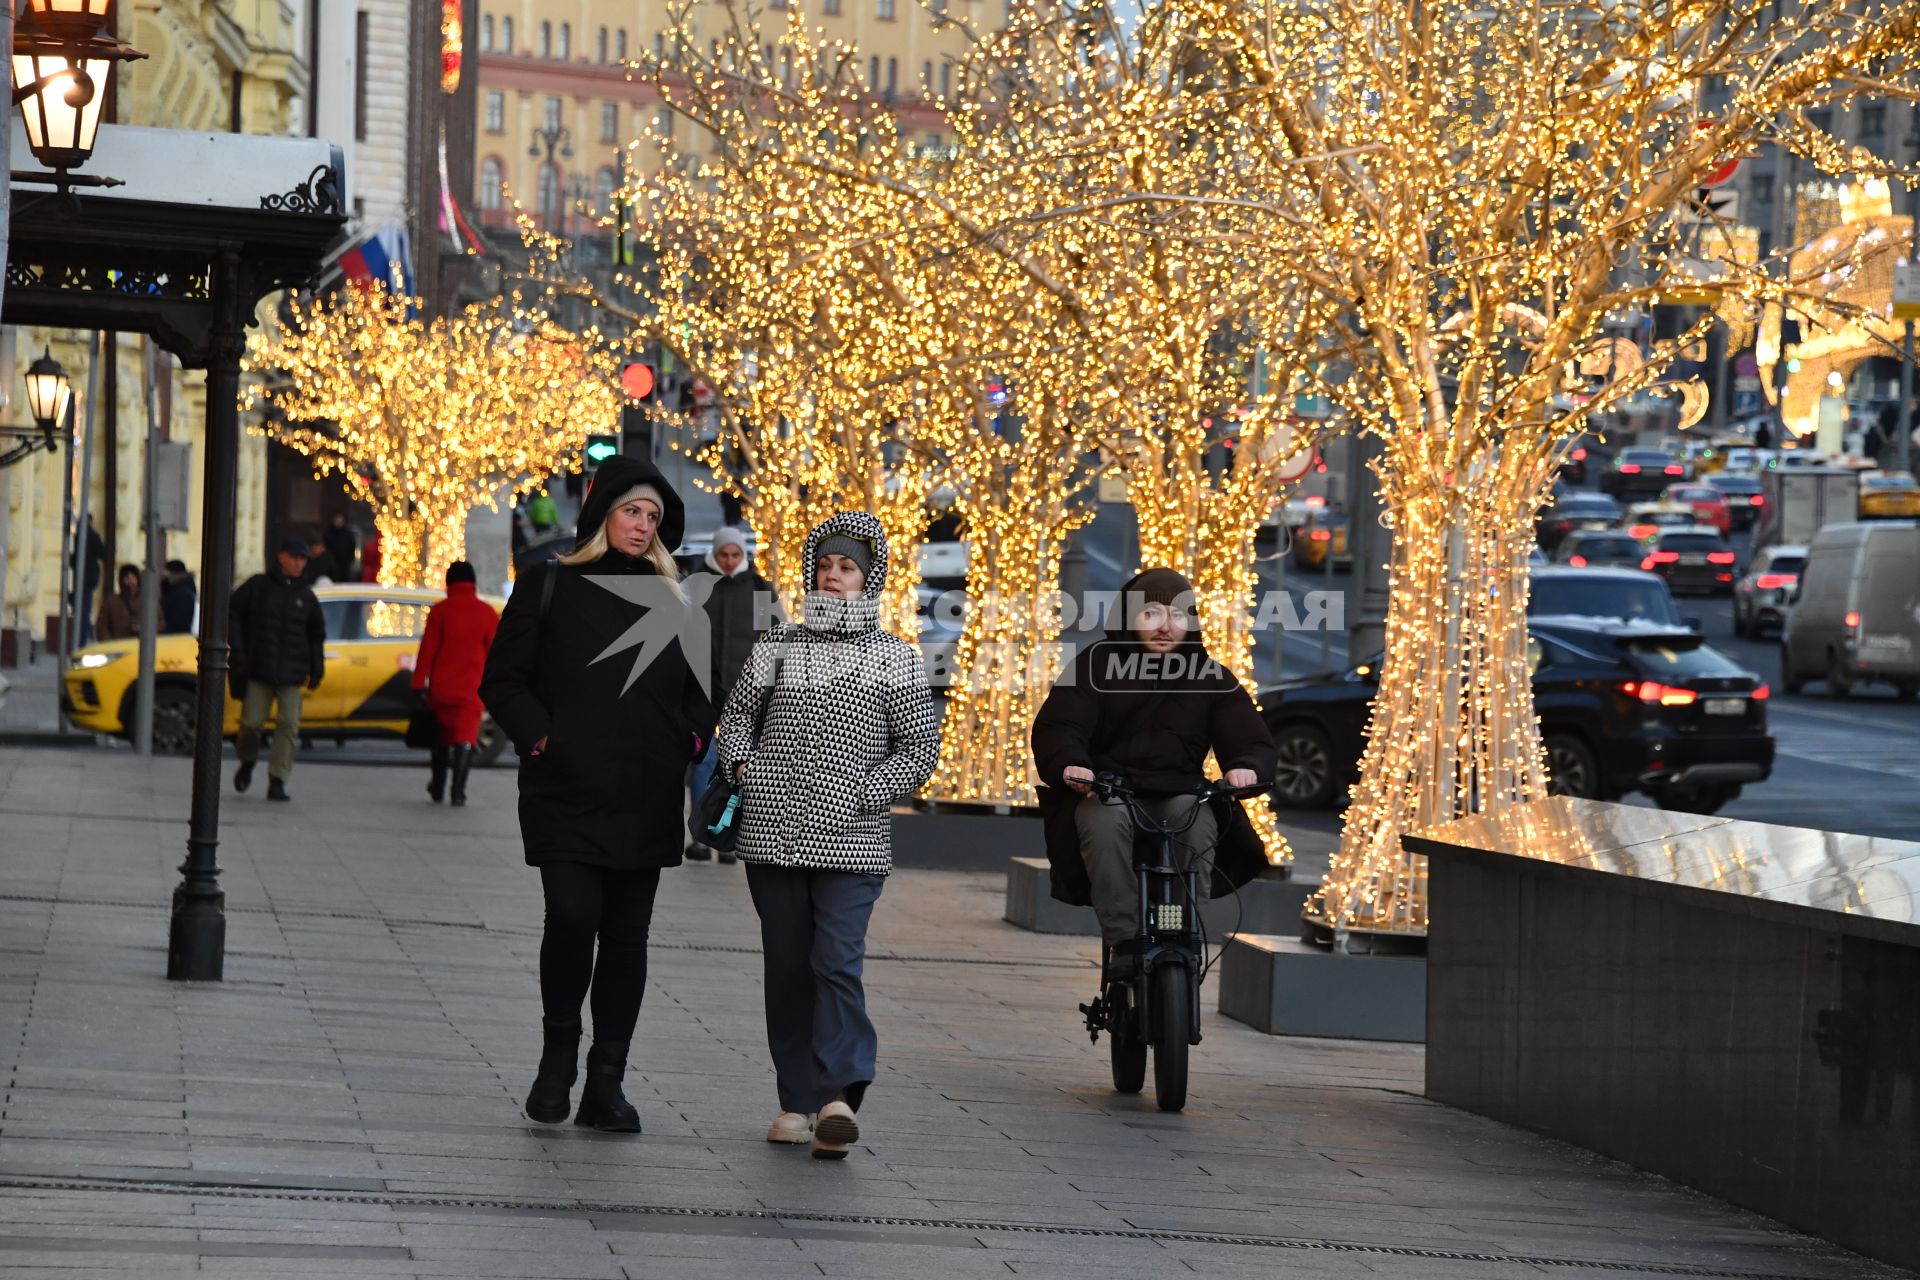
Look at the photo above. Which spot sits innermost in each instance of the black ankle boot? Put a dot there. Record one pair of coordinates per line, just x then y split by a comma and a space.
547, 1101
462, 761
602, 1105
437, 784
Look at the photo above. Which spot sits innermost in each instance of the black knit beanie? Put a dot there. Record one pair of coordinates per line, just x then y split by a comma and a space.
858, 550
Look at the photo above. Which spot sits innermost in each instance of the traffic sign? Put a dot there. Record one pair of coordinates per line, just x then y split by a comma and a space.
599, 449
1727, 167
1711, 204
1906, 291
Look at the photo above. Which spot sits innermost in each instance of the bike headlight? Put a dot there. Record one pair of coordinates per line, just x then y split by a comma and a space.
89, 661
1168, 917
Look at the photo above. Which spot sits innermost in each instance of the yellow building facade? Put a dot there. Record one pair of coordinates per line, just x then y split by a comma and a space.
217, 67
556, 107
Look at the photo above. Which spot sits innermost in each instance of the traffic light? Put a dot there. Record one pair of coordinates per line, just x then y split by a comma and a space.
598, 450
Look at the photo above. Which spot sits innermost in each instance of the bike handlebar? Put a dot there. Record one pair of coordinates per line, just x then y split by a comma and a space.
1111, 788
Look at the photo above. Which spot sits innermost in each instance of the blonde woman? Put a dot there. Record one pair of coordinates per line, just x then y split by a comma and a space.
605, 719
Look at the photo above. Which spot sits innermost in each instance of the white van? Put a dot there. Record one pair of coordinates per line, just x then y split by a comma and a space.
1857, 615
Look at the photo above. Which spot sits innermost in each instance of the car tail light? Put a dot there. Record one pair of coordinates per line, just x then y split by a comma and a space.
1653, 692
1723, 577
1719, 557
1762, 693
1578, 562
1316, 501
1642, 530
1755, 500
1563, 526
1579, 455
1659, 557
1676, 471
1629, 468
1774, 581
1320, 535
1852, 619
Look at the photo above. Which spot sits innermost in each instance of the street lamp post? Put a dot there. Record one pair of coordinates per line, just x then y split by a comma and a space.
63, 61
551, 140
1903, 437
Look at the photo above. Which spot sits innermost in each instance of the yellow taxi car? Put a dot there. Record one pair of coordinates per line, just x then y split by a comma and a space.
1323, 535
373, 636
1889, 495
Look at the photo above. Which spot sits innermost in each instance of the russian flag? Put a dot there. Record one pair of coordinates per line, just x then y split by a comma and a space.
385, 258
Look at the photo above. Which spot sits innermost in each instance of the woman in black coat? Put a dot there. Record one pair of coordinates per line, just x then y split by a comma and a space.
588, 678
1149, 703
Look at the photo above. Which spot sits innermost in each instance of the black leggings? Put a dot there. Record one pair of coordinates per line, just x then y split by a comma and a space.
583, 902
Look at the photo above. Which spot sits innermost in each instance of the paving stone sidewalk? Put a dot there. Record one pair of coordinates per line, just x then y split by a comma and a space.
346, 1102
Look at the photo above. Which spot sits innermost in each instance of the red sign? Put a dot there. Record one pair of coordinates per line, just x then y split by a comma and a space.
1714, 177
637, 381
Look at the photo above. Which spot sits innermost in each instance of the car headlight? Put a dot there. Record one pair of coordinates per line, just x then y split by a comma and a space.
89, 661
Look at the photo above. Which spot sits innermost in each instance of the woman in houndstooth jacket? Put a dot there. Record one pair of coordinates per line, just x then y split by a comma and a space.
848, 729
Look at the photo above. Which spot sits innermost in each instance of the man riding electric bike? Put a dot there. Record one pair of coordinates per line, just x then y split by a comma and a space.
1121, 744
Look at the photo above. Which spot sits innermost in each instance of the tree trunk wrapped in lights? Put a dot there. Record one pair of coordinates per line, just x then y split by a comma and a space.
1479, 189
426, 419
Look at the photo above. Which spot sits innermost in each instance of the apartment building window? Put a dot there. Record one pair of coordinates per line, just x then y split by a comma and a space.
546, 39
885, 10
603, 185
506, 35
926, 78
659, 46
549, 194
893, 76
360, 43
566, 41
778, 4
946, 79
620, 44
550, 116
600, 46
938, 8
496, 111
492, 180
1873, 120
831, 8
609, 122
663, 122
486, 34
873, 75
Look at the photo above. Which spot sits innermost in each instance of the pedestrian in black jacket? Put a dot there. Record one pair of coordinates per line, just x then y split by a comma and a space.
178, 599
740, 605
588, 678
1149, 703
279, 643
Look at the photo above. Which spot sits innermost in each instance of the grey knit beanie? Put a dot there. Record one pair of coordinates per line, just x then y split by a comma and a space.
858, 550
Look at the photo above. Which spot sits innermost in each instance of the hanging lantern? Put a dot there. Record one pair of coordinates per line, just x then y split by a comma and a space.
62, 66
47, 391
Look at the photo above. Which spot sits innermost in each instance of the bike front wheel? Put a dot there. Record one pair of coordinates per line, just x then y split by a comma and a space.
1172, 1015
1125, 1041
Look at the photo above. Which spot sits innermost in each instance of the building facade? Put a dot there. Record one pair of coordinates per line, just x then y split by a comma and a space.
556, 108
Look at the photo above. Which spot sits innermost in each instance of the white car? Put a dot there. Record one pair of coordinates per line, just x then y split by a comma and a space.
944, 563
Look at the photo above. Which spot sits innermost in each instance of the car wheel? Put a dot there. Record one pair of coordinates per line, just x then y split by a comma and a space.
174, 716
1739, 623
1572, 769
1705, 798
1303, 768
491, 744
1790, 680
1906, 691
1839, 683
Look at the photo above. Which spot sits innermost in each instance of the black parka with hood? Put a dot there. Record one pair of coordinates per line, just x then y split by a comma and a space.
604, 678
1154, 724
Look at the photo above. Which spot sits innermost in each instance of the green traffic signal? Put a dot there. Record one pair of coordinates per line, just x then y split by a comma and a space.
600, 448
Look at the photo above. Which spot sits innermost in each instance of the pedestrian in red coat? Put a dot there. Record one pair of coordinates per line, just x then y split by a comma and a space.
453, 653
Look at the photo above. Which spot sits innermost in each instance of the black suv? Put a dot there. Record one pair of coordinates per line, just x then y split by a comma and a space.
1573, 513
1641, 472
1601, 549
1623, 707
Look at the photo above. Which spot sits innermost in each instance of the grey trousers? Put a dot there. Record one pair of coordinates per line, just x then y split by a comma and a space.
813, 941
1106, 846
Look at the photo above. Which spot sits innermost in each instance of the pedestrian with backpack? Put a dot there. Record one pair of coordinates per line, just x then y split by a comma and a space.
588, 678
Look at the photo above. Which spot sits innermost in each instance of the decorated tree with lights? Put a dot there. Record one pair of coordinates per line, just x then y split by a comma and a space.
1037, 257
426, 419
1480, 188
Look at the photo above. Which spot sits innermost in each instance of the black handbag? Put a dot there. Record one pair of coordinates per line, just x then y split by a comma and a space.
423, 728
715, 820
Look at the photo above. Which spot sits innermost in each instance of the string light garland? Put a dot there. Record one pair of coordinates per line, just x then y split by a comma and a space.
424, 420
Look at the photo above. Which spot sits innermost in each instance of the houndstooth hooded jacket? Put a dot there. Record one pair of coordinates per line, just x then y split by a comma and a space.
850, 728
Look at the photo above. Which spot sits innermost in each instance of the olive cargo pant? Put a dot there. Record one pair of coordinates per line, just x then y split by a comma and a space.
286, 726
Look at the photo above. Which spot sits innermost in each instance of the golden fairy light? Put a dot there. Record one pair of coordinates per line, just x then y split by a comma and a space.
426, 419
